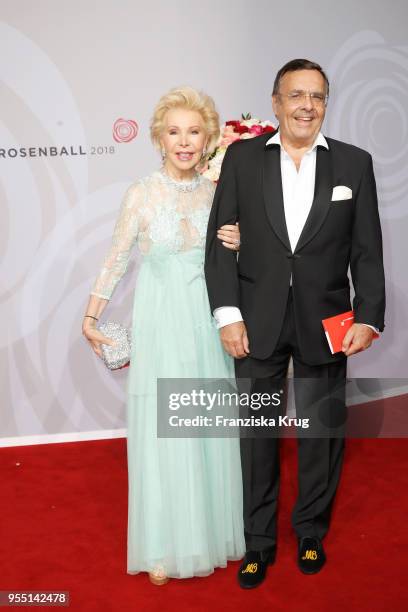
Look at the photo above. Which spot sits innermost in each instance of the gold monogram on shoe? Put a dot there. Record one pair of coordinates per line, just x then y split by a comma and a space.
251, 568
310, 555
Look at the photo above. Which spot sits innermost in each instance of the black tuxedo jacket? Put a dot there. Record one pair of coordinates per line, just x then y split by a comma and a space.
337, 235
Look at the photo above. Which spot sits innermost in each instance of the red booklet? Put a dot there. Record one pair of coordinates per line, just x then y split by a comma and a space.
336, 328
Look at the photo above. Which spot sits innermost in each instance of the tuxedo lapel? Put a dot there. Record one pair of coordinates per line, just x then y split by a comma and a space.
272, 192
322, 197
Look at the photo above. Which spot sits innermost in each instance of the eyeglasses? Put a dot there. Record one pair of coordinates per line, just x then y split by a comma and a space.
298, 97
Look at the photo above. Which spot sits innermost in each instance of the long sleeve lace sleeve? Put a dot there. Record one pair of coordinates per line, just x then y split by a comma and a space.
124, 236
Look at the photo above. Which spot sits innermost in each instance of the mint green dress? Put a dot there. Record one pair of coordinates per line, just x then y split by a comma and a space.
185, 494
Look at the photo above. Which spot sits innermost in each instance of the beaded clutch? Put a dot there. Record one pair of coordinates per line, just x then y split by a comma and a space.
118, 355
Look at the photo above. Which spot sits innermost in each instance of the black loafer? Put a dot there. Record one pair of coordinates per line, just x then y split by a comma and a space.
253, 569
311, 556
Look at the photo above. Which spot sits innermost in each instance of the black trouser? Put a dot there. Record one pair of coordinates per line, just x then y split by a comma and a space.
320, 397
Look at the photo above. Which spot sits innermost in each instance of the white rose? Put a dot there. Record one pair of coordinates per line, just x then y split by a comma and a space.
212, 173
250, 122
214, 169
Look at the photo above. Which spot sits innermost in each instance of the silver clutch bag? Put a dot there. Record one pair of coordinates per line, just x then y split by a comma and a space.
116, 356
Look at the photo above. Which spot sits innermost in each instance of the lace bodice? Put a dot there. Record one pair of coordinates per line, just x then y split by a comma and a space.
156, 210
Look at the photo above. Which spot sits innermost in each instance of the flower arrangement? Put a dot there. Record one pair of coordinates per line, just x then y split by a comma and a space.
246, 127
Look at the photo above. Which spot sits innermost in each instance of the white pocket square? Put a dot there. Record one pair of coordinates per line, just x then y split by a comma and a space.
341, 192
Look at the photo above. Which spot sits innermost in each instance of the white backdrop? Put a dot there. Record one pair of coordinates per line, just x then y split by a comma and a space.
69, 71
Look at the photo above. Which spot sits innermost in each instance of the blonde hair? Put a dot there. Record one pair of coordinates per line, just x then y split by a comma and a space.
189, 99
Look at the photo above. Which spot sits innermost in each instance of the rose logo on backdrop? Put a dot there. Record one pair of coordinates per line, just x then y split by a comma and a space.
125, 130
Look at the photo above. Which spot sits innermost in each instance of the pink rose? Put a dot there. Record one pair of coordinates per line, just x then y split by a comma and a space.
256, 129
228, 129
227, 140
228, 136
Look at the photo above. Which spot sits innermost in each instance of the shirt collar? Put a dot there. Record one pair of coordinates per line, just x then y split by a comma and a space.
320, 141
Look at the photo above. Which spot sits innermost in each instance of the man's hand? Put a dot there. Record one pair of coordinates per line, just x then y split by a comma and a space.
358, 338
235, 339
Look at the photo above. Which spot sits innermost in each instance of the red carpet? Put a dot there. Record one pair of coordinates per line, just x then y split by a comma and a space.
63, 527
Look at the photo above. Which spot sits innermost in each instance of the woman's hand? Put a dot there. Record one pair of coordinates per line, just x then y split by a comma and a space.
95, 338
230, 236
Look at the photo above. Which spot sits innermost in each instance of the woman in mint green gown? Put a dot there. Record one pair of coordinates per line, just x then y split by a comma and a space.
185, 494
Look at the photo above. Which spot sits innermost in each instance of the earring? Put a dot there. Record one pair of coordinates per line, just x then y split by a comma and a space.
204, 153
163, 154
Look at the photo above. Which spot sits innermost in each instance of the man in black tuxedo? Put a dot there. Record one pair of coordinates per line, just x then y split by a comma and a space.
307, 209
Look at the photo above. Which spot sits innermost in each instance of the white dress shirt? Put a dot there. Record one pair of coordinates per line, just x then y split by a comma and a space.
298, 188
